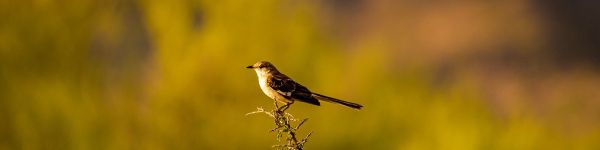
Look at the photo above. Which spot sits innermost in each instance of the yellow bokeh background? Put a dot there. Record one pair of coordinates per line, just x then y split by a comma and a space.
157, 74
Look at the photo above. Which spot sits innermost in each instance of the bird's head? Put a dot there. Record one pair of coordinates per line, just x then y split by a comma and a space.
262, 67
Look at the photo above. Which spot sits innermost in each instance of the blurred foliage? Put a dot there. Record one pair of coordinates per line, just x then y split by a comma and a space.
170, 75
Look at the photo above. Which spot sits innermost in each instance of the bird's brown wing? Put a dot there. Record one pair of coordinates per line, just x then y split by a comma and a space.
282, 84
290, 89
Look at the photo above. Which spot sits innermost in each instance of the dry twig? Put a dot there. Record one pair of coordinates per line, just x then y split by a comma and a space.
283, 122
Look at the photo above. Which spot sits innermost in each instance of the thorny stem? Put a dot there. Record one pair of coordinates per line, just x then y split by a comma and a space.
284, 127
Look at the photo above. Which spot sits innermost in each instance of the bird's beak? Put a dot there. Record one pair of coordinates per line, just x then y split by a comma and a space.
250, 67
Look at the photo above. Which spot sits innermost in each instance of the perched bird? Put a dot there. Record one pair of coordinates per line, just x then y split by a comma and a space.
283, 89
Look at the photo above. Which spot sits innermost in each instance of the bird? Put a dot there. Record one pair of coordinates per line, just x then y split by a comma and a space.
283, 89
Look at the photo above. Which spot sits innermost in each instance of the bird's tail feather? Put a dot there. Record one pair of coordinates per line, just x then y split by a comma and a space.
337, 101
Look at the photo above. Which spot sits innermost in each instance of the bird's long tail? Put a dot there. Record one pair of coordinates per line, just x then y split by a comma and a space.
337, 101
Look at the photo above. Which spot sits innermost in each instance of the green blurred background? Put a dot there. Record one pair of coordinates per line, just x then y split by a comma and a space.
153, 74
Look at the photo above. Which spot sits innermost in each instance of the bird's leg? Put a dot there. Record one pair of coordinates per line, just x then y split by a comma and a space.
278, 109
275, 103
286, 106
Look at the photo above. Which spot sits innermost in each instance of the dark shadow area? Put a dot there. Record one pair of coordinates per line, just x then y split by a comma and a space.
574, 31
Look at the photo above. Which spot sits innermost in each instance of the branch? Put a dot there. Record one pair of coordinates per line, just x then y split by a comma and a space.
283, 122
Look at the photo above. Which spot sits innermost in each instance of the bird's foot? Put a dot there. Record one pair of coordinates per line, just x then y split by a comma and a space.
285, 107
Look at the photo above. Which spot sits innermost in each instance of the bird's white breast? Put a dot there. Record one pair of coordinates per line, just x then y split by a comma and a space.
262, 81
